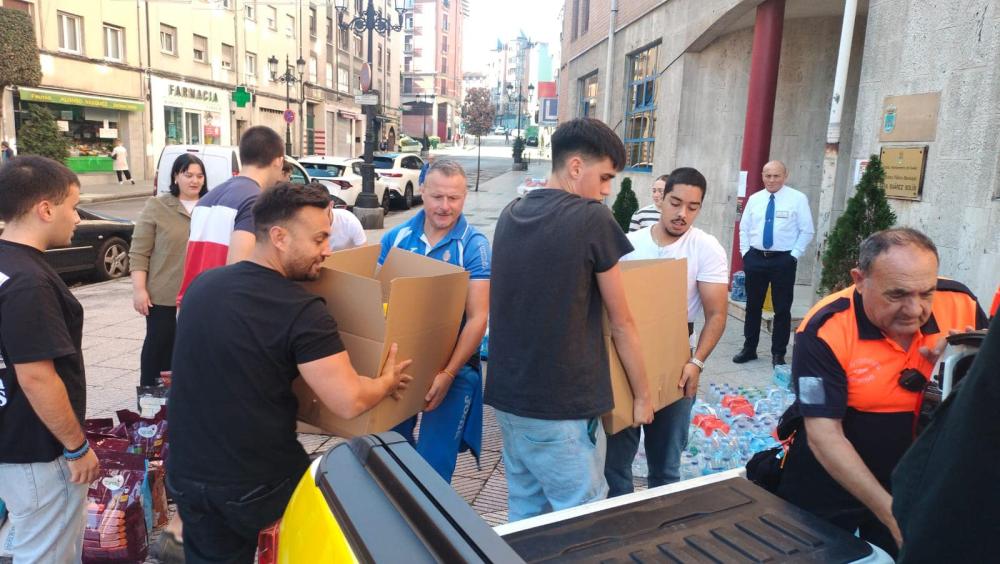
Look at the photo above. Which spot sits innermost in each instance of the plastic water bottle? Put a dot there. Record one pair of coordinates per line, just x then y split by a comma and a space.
739, 291
484, 347
783, 376
640, 467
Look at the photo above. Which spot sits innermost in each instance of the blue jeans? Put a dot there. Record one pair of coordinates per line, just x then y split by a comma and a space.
666, 438
551, 465
47, 510
443, 430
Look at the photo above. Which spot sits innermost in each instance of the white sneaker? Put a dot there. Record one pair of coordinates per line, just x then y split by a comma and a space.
120, 182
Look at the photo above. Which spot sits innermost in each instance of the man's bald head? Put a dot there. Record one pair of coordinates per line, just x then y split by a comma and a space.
774, 174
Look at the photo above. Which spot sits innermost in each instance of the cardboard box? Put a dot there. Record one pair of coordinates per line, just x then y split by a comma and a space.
426, 300
656, 291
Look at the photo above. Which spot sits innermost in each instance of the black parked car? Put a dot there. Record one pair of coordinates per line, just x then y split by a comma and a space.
100, 244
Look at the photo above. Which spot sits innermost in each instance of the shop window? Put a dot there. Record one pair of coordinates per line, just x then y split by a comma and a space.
272, 18
640, 110
588, 96
290, 25
168, 39
250, 10
114, 43
227, 56
251, 64
70, 33
201, 49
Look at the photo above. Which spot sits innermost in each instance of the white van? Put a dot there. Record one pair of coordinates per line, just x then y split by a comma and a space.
222, 162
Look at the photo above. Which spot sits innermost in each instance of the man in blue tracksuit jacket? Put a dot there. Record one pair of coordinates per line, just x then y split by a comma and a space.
452, 419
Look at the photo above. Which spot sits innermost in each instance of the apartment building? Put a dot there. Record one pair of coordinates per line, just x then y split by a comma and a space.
432, 67
919, 79
160, 73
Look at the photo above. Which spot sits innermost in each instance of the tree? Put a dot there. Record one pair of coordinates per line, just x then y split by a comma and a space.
626, 204
40, 135
867, 211
477, 114
19, 64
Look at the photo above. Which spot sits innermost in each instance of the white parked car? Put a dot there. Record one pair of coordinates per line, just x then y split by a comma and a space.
343, 178
402, 169
222, 162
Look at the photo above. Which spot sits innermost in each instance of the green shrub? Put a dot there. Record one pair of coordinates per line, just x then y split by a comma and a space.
434, 141
867, 211
39, 135
626, 204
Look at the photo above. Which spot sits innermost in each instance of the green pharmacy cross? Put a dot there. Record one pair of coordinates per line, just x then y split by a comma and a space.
241, 96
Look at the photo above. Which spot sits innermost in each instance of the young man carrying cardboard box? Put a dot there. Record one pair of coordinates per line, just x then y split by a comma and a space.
452, 418
674, 237
555, 264
245, 333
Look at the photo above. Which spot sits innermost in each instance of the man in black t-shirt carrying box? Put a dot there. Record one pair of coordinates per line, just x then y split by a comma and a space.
246, 331
46, 464
555, 267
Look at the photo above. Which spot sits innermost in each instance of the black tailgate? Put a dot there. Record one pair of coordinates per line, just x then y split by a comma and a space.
728, 521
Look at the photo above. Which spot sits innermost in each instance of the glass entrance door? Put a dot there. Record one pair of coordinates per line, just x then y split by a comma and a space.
192, 128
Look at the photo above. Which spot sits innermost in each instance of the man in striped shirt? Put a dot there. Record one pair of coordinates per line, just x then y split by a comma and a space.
650, 214
222, 222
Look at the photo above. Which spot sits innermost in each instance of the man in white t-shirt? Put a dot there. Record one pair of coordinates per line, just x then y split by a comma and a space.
675, 237
346, 232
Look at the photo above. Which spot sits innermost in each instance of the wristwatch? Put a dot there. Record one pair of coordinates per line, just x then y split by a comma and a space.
694, 360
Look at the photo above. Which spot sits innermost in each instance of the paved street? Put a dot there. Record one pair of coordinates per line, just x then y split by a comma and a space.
113, 334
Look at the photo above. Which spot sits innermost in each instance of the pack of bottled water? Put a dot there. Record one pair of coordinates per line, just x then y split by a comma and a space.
728, 426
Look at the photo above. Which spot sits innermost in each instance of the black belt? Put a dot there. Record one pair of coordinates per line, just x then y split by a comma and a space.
770, 253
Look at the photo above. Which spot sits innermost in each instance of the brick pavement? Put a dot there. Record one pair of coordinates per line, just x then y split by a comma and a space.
113, 334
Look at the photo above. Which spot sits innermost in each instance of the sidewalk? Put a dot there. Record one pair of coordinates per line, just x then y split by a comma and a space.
93, 193
113, 334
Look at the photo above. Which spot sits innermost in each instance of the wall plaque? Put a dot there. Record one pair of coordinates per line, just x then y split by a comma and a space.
909, 118
904, 171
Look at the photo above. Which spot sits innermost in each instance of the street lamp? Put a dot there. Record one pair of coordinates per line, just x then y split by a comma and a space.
370, 20
520, 98
289, 79
424, 103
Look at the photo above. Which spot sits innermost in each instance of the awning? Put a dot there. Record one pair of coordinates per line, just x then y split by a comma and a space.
69, 98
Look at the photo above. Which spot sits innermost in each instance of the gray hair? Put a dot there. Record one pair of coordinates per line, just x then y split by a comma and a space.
880, 242
447, 168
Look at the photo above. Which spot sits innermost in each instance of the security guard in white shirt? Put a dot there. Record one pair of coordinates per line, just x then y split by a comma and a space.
775, 230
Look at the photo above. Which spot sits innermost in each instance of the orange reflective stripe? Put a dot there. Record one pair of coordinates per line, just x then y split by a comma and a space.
996, 303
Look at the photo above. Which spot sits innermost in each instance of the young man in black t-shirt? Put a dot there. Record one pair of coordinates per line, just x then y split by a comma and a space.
46, 464
246, 331
555, 267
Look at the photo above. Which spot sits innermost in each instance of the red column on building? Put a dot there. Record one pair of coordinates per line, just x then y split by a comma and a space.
760, 106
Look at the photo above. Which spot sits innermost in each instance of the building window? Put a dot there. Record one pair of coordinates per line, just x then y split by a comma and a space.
168, 39
378, 59
313, 70
114, 43
407, 85
584, 16
250, 9
329, 75
388, 58
70, 33
588, 96
575, 21
290, 25
312, 21
407, 63
272, 18
201, 49
444, 43
344, 41
251, 63
444, 87
227, 56
408, 22
408, 44
358, 50
359, 6
444, 64
343, 80
640, 110
444, 23
329, 31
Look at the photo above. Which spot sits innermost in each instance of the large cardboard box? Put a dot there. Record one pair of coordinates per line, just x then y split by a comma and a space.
426, 300
656, 291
